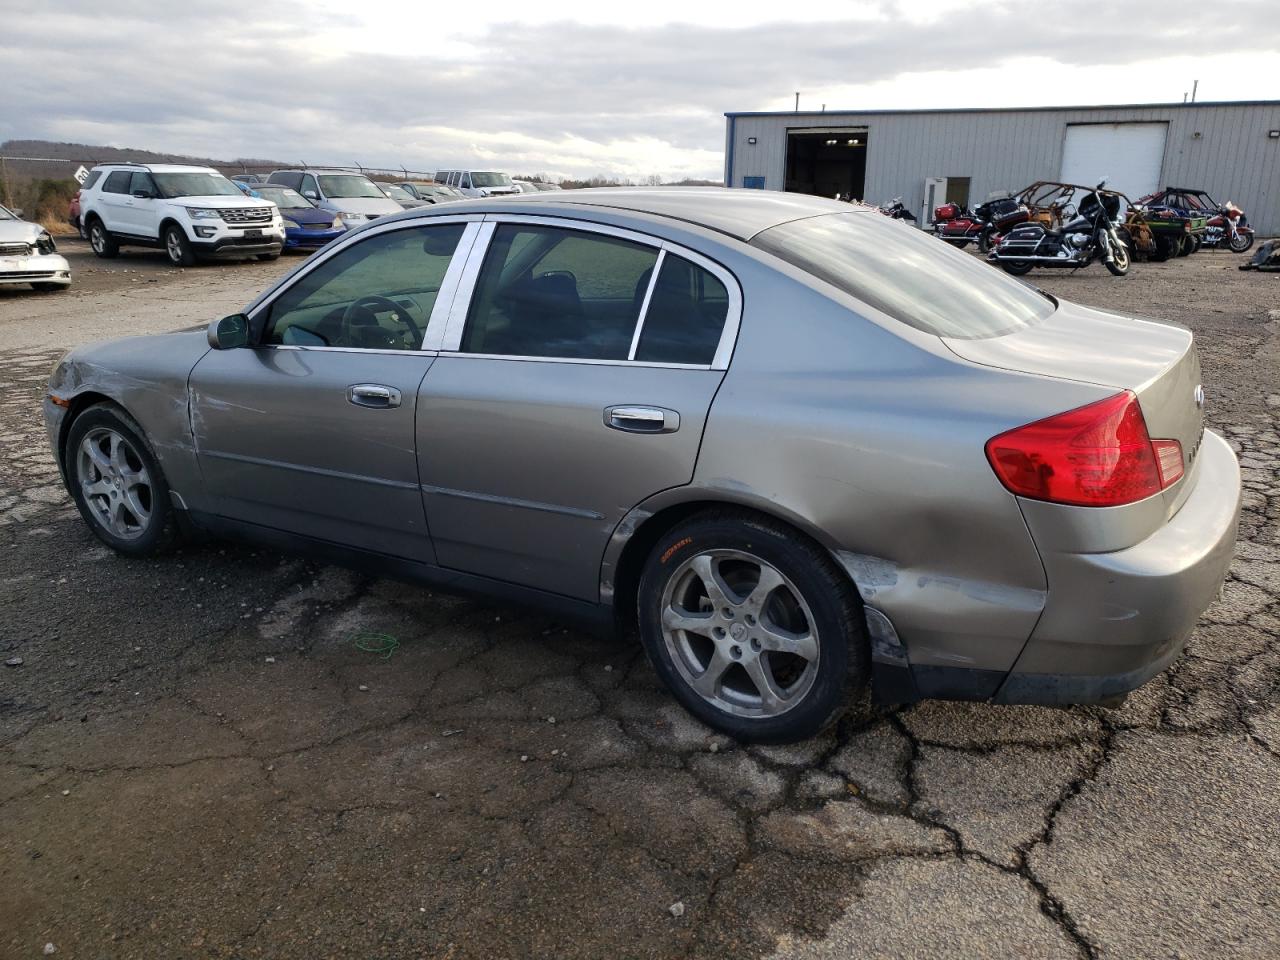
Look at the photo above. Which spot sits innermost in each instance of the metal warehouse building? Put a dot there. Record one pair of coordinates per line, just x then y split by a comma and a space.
1232, 150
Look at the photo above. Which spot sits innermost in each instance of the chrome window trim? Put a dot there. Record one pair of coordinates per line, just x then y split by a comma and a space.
581, 361
307, 348
437, 322
644, 304
322, 256
456, 319
462, 302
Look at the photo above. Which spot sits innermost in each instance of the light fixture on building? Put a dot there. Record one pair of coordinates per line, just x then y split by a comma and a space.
831, 143
751, 140
1197, 135
852, 143
1273, 134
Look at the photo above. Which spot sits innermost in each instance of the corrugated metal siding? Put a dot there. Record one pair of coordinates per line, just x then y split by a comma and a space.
1006, 150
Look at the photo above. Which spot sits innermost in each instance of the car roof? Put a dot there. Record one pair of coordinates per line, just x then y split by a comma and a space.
155, 167
734, 211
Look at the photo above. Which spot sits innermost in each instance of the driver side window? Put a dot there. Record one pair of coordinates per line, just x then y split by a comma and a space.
376, 294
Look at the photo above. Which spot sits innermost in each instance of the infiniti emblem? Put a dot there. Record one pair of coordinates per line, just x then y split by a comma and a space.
1199, 395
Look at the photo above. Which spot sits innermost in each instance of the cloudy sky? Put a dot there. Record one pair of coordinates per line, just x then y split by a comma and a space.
576, 89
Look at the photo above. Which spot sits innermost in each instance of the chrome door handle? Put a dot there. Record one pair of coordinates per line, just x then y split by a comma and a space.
373, 395
633, 419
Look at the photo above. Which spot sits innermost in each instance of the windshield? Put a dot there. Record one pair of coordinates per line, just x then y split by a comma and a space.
907, 274
349, 186
398, 193
490, 180
172, 185
282, 197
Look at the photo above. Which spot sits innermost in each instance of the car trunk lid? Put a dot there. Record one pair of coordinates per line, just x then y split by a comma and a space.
1157, 361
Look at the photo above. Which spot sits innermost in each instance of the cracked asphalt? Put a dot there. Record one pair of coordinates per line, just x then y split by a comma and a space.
197, 761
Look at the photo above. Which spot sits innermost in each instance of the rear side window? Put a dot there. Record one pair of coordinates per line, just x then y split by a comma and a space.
93, 177
686, 315
117, 182
907, 274
551, 292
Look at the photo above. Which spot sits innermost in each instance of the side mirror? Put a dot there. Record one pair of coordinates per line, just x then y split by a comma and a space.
229, 332
16, 211
311, 194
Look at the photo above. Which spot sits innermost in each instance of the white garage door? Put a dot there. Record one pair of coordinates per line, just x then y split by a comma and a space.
1129, 155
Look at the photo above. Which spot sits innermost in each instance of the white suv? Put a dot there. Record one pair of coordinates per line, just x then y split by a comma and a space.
189, 211
479, 183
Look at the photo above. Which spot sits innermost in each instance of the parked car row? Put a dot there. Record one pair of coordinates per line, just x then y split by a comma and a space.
195, 212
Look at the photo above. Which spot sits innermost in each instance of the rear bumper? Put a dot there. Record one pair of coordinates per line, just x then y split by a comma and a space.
1112, 621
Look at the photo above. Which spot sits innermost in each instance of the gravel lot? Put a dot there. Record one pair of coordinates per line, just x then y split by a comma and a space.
196, 761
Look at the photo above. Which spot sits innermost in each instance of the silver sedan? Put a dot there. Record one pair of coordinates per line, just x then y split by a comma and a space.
801, 449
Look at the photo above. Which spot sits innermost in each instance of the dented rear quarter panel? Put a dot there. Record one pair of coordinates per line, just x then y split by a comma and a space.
870, 436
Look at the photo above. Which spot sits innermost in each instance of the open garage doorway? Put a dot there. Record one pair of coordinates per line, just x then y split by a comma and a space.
827, 162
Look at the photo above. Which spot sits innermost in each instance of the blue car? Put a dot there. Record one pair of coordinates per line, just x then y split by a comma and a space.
306, 226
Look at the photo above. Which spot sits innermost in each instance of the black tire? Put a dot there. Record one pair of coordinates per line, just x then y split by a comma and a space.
1019, 268
956, 242
829, 608
1195, 243
268, 256
159, 530
984, 240
1120, 260
1184, 246
177, 247
1241, 243
1165, 247
50, 287
100, 239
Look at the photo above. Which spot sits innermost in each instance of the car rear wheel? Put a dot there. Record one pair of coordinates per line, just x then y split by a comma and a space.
117, 484
754, 629
100, 239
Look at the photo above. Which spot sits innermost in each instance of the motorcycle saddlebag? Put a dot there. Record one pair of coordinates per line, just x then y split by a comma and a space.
948, 211
1021, 240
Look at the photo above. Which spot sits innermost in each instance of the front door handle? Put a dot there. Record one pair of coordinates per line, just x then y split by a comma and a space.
635, 419
373, 395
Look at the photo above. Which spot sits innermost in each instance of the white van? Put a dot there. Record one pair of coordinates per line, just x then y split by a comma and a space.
479, 183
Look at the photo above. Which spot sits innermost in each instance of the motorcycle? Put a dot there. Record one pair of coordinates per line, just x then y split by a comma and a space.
895, 209
1092, 235
994, 216
1228, 227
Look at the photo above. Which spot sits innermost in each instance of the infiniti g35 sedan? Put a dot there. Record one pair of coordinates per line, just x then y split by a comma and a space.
799, 448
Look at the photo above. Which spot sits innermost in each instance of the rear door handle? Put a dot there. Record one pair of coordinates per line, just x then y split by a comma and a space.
374, 395
635, 419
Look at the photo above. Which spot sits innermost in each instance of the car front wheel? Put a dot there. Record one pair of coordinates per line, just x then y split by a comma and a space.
116, 482
752, 626
178, 247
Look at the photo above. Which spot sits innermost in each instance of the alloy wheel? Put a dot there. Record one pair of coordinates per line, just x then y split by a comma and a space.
115, 482
740, 634
173, 244
96, 239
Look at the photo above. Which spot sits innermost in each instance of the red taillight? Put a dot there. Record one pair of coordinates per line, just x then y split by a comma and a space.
1098, 455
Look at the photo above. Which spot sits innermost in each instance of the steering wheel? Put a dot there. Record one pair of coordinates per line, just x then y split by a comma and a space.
373, 300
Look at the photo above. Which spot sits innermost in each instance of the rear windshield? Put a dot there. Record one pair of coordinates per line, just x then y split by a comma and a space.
908, 274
